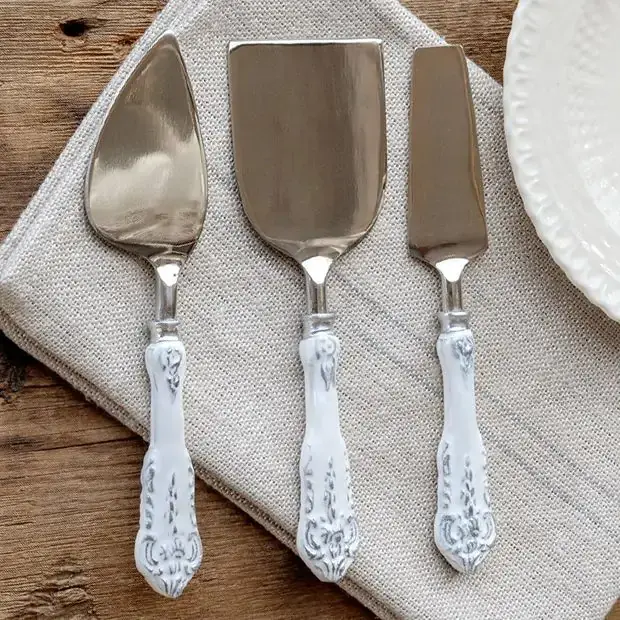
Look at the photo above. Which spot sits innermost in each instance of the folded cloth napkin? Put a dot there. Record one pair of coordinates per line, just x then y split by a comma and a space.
548, 373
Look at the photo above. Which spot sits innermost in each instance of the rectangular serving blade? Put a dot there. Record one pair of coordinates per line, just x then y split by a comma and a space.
308, 128
446, 199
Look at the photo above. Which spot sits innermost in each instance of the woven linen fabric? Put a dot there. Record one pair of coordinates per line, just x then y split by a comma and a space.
548, 373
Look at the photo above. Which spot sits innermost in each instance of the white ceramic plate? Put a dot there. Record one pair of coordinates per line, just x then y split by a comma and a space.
562, 108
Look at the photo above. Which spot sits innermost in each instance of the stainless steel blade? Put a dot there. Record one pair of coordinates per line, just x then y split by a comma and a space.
308, 123
146, 189
446, 198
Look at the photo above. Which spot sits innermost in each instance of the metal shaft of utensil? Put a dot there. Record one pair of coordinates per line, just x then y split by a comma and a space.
452, 316
451, 295
316, 296
165, 325
166, 291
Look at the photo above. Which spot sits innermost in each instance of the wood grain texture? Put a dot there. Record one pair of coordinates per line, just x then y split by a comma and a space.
71, 552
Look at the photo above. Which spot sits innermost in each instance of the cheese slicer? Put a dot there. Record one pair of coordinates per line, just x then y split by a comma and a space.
308, 124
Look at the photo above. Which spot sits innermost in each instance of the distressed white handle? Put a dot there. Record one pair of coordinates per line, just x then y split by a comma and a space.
464, 524
327, 536
168, 550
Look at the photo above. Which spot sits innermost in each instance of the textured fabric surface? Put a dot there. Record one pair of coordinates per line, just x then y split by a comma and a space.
547, 366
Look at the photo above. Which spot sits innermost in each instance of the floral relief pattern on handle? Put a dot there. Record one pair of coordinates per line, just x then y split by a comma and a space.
327, 535
168, 550
464, 523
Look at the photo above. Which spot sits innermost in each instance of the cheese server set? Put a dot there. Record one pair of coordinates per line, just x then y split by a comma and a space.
309, 141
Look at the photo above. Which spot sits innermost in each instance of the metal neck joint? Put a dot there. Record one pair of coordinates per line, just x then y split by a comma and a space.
452, 316
165, 325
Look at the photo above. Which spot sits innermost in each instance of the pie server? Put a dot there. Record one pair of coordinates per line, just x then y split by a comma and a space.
146, 194
308, 122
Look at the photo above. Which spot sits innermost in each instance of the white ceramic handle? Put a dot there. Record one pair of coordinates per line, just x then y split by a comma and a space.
327, 536
464, 524
168, 550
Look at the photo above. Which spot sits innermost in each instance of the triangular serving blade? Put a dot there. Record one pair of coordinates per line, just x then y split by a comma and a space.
147, 188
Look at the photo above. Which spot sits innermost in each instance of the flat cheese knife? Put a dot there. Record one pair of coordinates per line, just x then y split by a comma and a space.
447, 229
308, 121
146, 194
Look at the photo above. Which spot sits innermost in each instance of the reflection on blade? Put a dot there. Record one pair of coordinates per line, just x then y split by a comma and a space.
446, 198
308, 122
147, 189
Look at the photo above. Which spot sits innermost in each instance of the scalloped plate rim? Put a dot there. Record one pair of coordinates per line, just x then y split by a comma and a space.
588, 275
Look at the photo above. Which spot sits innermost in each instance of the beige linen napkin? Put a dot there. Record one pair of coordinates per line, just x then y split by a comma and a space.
548, 365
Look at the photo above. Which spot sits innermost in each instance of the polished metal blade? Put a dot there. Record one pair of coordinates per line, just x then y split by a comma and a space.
446, 200
308, 125
146, 188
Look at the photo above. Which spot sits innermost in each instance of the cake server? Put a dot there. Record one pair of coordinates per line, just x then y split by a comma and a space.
308, 121
447, 230
146, 194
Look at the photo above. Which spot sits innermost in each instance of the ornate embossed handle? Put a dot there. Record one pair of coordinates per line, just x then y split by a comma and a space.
464, 524
168, 550
327, 536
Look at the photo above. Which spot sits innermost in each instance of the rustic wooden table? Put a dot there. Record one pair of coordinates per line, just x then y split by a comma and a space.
68, 552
